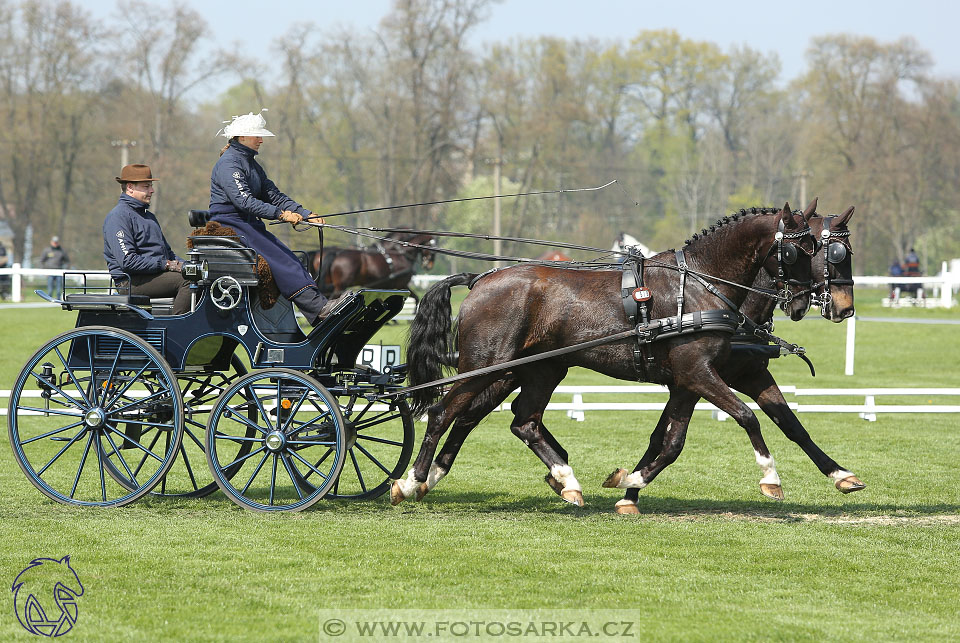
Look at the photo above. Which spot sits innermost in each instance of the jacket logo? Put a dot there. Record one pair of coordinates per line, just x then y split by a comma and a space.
236, 175
123, 246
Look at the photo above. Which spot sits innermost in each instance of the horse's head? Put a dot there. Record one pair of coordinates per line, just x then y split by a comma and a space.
789, 259
422, 247
833, 266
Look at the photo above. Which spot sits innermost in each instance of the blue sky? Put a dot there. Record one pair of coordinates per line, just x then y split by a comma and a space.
784, 27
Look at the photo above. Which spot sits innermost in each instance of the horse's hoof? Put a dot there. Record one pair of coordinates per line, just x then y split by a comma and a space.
396, 494
422, 491
627, 508
772, 491
573, 496
850, 484
554, 484
614, 479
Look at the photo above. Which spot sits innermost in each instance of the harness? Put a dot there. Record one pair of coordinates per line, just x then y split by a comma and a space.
835, 246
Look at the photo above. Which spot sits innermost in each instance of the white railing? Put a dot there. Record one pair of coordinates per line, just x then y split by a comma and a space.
576, 409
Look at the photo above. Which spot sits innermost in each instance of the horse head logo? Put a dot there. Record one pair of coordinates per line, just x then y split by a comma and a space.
45, 596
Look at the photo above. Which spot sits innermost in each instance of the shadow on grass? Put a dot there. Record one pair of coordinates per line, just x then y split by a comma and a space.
459, 503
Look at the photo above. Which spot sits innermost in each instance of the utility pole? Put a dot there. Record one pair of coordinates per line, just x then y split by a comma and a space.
803, 187
124, 146
497, 244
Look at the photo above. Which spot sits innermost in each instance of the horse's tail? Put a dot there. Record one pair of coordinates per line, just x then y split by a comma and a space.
430, 341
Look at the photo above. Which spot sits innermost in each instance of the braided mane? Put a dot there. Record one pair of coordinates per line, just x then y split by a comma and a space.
731, 218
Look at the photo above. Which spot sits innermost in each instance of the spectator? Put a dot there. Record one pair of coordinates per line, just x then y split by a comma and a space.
896, 270
4, 279
54, 258
134, 245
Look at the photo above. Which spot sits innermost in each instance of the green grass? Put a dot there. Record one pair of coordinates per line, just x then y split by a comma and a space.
708, 558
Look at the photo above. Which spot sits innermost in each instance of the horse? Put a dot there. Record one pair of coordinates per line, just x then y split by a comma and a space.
391, 264
530, 309
747, 371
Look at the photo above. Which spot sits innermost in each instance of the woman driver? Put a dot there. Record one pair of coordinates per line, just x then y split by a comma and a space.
241, 196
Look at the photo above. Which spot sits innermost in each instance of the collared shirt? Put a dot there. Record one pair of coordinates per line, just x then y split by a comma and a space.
238, 184
133, 242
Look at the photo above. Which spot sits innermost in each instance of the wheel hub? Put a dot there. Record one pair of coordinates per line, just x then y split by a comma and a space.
94, 418
275, 441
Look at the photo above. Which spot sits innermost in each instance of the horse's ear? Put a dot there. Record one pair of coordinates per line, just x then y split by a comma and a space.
811, 209
845, 217
787, 216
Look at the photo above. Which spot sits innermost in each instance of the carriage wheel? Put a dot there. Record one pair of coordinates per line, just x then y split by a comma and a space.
72, 419
189, 476
299, 435
381, 439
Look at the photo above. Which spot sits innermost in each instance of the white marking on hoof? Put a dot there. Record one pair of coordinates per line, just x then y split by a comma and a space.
627, 508
564, 475
573, 496
408, 486
770, 476
554, 484
434, 476
846, 482
620, 479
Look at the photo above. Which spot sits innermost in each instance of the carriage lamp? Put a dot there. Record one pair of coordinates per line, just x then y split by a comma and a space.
47, 380
195, 270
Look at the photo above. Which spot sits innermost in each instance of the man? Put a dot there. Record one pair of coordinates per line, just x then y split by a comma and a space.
4, 279
54, 258
134, 245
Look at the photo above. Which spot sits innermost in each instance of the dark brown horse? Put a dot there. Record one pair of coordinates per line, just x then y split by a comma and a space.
746, 370
391, 264
527, 310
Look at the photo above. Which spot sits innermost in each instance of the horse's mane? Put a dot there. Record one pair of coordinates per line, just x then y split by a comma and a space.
729, 219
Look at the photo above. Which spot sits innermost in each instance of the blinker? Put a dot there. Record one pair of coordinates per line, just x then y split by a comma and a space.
789, 254
836, 252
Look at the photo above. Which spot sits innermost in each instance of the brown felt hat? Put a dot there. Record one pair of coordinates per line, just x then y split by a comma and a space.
135, 173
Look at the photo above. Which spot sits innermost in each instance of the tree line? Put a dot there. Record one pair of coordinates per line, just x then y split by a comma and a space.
413, 113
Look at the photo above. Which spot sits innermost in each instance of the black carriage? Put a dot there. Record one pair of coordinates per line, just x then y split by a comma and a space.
134, 400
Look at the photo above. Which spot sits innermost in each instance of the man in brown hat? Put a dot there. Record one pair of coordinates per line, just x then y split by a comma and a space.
134, 245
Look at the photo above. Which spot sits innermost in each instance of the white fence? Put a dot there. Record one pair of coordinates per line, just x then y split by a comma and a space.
576, 409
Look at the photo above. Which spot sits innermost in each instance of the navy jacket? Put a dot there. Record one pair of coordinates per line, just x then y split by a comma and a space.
133, 242
239, 185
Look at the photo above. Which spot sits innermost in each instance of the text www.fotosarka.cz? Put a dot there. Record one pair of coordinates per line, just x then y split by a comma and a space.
452, 624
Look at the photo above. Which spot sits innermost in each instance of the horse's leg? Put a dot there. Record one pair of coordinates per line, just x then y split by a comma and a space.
761, 386
666, 443
716, 391
528, 409
439, 418
482, 405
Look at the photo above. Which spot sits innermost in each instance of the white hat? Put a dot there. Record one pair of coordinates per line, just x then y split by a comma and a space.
247, 125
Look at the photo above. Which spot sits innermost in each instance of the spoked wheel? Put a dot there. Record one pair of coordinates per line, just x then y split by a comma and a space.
189, 477
381, 439
299, 436
88, 403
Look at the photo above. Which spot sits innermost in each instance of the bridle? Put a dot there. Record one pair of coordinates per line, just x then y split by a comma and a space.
836, 246
787, 254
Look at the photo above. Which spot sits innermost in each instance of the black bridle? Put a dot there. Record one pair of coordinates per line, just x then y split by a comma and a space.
836, 247
787, 254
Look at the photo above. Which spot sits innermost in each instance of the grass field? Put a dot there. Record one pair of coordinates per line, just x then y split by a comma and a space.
708, 558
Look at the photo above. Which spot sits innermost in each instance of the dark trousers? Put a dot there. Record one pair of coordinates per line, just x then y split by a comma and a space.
163, 284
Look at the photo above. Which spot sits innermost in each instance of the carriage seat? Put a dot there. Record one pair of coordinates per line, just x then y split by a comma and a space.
225, 256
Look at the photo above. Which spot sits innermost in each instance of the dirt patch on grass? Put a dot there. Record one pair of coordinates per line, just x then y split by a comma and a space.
884, 520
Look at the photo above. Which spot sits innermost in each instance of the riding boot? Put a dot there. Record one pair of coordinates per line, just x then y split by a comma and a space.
314, 306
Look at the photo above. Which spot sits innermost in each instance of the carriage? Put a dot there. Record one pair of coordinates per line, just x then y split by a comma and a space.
232, 395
